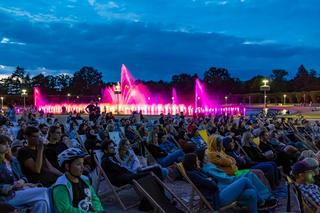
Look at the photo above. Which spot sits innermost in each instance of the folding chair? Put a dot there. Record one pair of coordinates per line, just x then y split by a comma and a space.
114, 190
115, 137
204, 135
203, 201
151, 187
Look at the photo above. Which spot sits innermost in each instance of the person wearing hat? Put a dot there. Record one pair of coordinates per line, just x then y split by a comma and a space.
314, 164
72, 191
304, 177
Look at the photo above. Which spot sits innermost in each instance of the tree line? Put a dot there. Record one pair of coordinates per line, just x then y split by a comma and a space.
88, 81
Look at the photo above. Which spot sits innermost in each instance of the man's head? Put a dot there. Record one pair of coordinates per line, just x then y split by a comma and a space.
43, 128
32, 135
303, 173
54, 134
108, 147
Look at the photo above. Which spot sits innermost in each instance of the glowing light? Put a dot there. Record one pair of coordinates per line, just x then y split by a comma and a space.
128, 96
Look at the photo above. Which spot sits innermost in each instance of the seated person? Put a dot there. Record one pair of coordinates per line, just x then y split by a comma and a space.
55, 146
304, 178
218, 157
241, 190
14, 188
164, 158
313, 163
286, 155
72, 191
185, 143
266, 164
92, 142
34, 164
198, 141
265, 197
130, 161
117, 174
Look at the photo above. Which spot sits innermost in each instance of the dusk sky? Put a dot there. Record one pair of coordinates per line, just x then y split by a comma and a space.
159, 38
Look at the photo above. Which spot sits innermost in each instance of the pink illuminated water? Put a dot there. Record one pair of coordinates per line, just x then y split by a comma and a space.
136, 97
131, 92
200, 95
174, 97
38, 99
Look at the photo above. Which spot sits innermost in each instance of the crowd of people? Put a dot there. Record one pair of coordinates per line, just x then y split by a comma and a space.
46, 162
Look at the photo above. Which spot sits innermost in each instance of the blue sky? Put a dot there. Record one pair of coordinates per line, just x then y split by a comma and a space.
159, 38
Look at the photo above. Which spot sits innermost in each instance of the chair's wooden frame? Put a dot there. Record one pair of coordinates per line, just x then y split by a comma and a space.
203, 201
306, 205
115, 190
154, 203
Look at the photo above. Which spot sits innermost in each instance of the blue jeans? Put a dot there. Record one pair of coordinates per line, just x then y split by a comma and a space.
240, 190
262, 191
171, 158
36, 198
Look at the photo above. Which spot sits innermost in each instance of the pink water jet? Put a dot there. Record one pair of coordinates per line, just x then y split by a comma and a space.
174, 96
128, 96
129, 92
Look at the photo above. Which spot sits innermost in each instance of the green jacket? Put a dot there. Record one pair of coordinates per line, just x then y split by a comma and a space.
62, 196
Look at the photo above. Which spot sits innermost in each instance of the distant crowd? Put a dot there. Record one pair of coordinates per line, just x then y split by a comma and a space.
48, 163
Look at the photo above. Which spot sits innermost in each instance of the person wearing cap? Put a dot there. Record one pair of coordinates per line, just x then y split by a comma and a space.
314, 164
72, 191
304, 177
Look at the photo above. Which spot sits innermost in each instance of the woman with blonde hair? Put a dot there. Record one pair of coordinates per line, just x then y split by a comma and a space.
218, 157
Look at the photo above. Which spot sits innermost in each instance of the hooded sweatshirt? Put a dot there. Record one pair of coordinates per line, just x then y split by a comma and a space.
220, 158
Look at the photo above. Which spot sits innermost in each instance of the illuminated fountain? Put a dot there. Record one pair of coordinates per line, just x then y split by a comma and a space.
128, 96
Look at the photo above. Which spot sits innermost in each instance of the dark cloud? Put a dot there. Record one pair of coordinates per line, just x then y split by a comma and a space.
149, 51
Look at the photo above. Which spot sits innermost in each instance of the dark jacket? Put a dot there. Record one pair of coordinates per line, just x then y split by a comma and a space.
116, 173
206, 185
7, 177
156, 151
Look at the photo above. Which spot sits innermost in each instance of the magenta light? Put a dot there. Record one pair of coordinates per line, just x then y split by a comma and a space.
129, 96
147, 109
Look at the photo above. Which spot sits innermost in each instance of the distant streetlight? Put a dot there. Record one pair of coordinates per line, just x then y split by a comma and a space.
68, 96
24, 94
265, 87
284, 99
226, 99
2, 102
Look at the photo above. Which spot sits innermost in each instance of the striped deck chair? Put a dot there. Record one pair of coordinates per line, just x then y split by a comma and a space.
204, 135
102, 176
204, 203
153, 188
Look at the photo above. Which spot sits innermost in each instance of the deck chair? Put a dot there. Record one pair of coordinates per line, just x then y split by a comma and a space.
306, 205
114, 190
203, 201
152, 187
204, 135
115, 137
